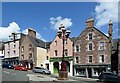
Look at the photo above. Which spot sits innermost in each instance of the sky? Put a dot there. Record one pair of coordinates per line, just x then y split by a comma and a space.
46, 17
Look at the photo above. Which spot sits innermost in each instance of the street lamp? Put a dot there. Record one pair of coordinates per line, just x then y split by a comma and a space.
63, 34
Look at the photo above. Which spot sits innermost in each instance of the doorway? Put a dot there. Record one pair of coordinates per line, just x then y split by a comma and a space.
89, 73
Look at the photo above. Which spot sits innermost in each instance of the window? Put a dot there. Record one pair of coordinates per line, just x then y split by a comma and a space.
22, 49
22, 56
14, 46
101, 46
30, 47
90, 36
30, 55
47, 57
89, 59
55, 43
55, 53
66, 52
48, 50
77, 48
8, 53
66, 41
101, 58
77, 59
90, 46
14, 51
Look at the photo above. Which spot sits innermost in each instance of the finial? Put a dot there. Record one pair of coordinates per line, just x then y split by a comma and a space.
110, 22
61, 25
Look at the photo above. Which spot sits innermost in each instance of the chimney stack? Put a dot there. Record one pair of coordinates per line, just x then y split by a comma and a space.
31, 32
90, 23
110, 28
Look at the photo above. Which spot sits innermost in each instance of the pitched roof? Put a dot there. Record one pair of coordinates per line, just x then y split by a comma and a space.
37, 42
73, 39
48, 44
95, 29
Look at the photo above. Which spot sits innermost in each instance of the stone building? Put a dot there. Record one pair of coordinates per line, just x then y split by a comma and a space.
1, 52
33, 51
92, 51
114, 56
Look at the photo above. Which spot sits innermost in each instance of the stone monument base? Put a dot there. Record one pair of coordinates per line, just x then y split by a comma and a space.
63, 75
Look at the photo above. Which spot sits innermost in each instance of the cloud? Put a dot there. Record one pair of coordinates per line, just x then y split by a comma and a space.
5, 32
105, 11
56, 22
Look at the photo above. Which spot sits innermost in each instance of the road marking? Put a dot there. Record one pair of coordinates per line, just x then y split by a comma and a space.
6, 72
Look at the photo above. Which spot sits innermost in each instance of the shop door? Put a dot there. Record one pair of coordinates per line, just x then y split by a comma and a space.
89, 73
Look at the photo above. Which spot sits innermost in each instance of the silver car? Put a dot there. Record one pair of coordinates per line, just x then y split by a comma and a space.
41, 70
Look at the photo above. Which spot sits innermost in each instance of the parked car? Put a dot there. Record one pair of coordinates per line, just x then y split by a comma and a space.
8, 66
18, 67
109, 76
41, 70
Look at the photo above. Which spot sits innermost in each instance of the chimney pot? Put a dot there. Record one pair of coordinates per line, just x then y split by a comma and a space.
90, 23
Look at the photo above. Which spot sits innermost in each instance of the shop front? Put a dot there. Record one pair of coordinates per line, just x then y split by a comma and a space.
55, 64
90, 71
12, 61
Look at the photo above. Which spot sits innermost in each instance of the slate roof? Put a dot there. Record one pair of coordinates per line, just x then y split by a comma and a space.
1, 45
48, 44
73, 39
37, 42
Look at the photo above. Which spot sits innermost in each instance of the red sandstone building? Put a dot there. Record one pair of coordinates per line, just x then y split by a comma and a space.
92, 51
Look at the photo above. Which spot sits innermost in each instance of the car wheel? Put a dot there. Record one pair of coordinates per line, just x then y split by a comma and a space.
34, 71
43, 72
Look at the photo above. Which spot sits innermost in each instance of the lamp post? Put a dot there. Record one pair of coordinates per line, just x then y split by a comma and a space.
63, 34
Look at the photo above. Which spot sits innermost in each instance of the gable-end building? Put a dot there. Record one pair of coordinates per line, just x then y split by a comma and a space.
92, 51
